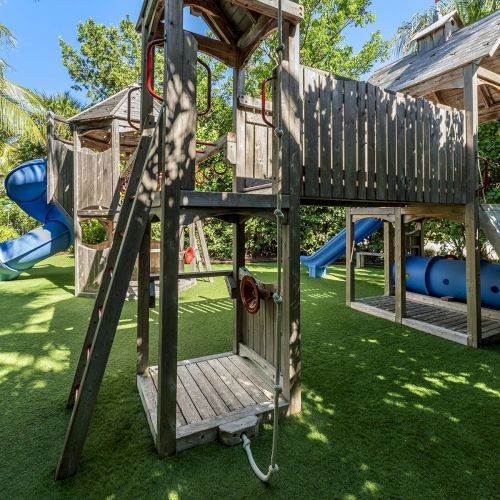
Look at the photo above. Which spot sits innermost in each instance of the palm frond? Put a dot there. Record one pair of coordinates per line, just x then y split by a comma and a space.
17, 121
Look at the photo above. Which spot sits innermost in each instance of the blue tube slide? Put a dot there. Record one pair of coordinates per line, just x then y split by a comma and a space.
335, 248
26, 185
442, 277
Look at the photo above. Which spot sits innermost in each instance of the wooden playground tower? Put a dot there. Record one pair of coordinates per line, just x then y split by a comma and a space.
341, 143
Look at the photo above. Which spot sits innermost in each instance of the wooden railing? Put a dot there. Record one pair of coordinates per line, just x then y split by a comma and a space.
360, 142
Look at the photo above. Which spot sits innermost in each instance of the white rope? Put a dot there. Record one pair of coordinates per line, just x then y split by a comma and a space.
278, 298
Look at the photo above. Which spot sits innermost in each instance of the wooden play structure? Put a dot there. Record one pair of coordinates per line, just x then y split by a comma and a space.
324, 140
87, 177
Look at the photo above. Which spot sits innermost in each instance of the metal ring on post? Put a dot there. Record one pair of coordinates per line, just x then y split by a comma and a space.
150, 66
250, 294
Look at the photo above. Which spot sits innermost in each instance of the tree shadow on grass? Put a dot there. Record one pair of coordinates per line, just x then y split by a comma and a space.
387, 412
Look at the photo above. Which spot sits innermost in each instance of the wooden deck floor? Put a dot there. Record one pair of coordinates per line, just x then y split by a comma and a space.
441, 319
211, 391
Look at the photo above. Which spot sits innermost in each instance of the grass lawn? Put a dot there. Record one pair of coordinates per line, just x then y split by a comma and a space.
388, 412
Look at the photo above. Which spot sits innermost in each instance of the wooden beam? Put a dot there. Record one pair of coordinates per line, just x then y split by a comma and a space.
400, 274
143, 284
218, 49
350, 251
178, 133
238, 262
215, 17
291, 153
388, 258
472, 207
292, 11
250, 40
488, 76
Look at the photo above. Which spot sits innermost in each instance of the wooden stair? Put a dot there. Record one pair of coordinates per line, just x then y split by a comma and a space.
132, 221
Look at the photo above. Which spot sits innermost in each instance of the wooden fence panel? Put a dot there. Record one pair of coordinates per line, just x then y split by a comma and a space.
363, 143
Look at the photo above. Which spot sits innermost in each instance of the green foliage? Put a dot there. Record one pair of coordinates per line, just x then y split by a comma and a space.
93, 232
489, 147
7, 233
12, 216
468, 10
109, 58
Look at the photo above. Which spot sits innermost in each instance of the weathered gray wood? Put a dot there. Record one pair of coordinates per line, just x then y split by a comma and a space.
108, 306
238, 262
420, 160
350, 145
226, 395
362, 141
392, 123
427, 152
400, 272
143, 283
292, 118
243, 397
196, 395
325, 110
254, 392
381, 146
472, 208
178, 159
338, 139
371, 106
410, 149
208, 390
350, 250
311, 133
388, 258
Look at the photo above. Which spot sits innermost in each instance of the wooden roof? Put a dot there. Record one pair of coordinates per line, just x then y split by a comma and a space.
475, 41
115, 106
239, 25
437, 74
94, 124
453, 15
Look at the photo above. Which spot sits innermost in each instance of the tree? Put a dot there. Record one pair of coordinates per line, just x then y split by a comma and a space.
17, 106
108, 60
469, 11
323, 42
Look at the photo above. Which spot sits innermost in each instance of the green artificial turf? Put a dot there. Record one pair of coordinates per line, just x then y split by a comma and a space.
388, 412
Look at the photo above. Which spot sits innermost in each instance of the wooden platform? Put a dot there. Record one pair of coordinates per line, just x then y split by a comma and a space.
431, 315
211, 391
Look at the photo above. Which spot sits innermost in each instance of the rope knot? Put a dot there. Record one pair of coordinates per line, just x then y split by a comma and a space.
278, 299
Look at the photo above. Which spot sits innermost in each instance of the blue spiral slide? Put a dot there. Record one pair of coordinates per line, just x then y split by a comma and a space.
335, 248
26, 185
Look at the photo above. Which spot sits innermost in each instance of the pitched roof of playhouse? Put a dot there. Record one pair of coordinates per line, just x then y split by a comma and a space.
114, 107
475, 41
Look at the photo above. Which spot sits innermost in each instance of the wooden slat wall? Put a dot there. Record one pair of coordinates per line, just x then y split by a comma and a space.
96, 185
60, 175
258, 330
360, 142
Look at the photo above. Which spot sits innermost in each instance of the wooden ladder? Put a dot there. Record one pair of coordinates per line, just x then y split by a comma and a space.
132, 221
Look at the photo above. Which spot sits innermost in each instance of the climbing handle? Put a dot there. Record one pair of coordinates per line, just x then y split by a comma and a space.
209, 88
150, 66
264, 100
129, 107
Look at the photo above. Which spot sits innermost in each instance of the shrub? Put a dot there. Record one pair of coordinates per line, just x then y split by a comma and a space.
7, 233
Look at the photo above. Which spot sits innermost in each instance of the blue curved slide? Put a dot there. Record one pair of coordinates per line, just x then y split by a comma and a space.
26, 185
335, 248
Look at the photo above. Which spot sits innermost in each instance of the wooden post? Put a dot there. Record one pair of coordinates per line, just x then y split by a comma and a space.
179, 158
388, 258
143, 283
400, 261
472, 207
239, 127
76, 225
291, 165
350, 259
238, 261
